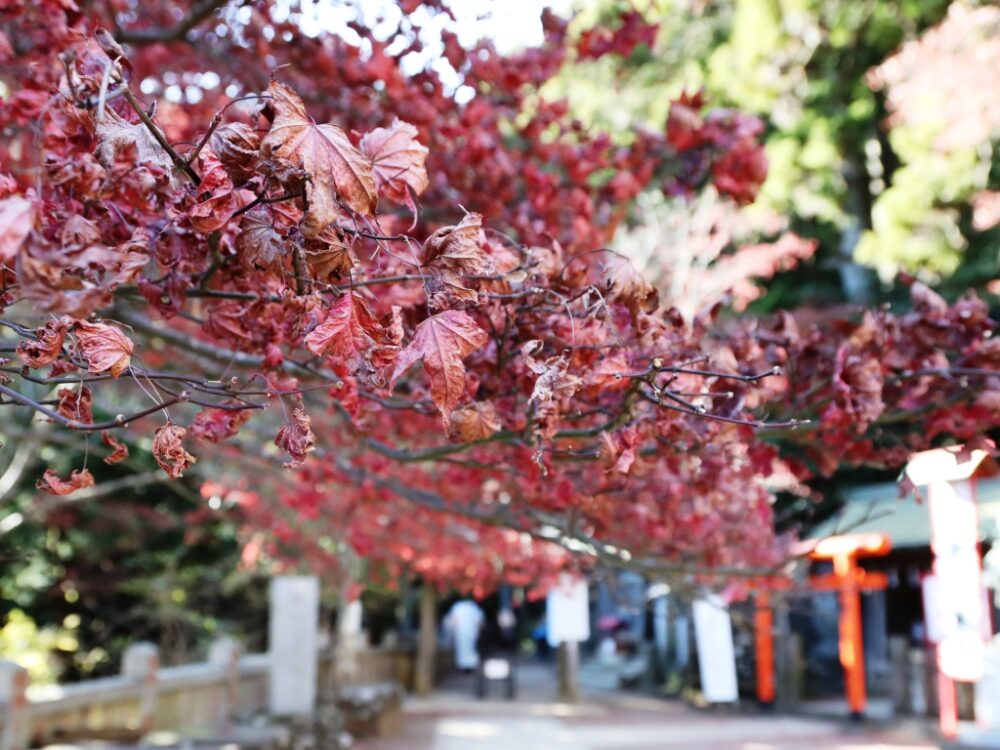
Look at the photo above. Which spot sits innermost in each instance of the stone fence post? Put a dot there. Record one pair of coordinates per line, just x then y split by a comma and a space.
140, 662
225, 653
293, 643
13, 706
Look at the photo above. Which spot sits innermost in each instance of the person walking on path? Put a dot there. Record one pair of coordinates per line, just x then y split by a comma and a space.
464, 620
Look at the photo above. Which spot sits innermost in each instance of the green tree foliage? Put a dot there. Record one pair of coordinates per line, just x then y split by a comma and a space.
876, 186
84, 577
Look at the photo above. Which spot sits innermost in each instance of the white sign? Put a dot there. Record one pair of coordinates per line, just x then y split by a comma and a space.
955, 608
567, 611
713, 634
293, 643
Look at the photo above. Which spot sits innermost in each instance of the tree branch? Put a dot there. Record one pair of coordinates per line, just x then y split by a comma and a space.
180, 163
75, 424
199, 12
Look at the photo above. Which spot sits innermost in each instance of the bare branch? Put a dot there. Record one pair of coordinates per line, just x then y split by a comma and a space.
199, 12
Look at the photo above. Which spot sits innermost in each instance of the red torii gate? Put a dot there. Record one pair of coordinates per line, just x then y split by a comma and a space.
849, 579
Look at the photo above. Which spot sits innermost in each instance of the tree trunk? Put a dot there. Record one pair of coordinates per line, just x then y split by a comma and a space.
427, 642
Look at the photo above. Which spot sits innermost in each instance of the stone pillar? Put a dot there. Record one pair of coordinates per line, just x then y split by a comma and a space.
14, 724
876, 636
140, 663
427, 643
225, 654
899, 682
922, 681
788, 662
293, 637
350, 637
569, 671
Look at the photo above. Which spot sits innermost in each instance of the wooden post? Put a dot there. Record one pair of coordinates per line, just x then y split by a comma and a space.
852, 655
849, 579
140, 663
14, 725
427, 641
764, 631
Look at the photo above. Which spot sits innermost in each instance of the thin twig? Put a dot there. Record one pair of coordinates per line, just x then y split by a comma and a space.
76, 424
160, 138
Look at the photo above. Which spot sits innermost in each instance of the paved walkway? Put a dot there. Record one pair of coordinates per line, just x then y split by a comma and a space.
453, 720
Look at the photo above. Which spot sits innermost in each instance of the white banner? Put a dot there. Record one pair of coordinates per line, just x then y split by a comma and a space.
567, 611
713, 633
954, 600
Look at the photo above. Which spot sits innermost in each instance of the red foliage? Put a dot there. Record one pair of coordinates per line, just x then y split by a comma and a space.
275, 252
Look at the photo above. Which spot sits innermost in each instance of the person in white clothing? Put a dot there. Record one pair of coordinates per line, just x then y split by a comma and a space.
464, 620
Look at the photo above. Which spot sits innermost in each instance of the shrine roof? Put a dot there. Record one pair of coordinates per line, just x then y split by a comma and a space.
878, 508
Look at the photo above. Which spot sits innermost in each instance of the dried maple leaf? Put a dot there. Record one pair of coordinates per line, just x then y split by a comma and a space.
618, 449
621, 282
52, 484
397, 161
446, 289
119, 451
236, 145
348, 331
472, 422
17, 217
554, 386
79, 231
441, 341
296, 438
329, 255
858, 381
259, 244
384, 354
48, 346
116, 135
607, 372
77, 276
105, 348
214, 211
216, 425
111, 48
335, 167
451, 253
77, 405
168, 450
458, 248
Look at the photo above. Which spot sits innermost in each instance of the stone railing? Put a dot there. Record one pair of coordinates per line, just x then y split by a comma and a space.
194, 700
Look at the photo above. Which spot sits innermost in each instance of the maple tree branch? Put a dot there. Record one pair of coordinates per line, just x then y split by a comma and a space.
564, 537
302, 280
696, 412
199, 12
373, 236
438, 451
216, 121
657, 366
180, 163
75, 424
263, 200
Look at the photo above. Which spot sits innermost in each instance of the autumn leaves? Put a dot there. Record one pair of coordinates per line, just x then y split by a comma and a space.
336, 170
105, 348
391, 162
